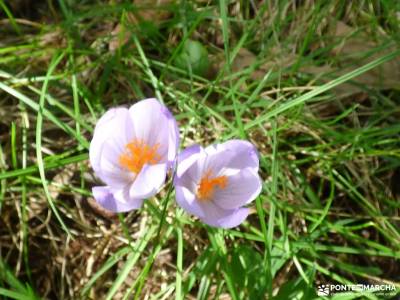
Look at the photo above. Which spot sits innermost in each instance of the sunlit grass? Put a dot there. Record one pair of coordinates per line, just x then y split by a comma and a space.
322, 111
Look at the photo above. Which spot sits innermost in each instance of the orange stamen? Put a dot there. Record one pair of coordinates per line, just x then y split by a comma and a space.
206, 188
137, 154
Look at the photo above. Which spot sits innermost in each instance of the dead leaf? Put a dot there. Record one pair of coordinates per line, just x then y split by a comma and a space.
245, 59
348, 53
151, 11
356, 44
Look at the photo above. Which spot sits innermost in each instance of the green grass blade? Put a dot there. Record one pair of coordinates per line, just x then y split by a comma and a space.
40, 163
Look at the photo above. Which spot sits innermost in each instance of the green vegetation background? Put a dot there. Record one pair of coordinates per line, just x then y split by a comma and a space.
313, 84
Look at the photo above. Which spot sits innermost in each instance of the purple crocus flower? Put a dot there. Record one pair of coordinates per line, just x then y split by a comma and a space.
216, 183
131, 152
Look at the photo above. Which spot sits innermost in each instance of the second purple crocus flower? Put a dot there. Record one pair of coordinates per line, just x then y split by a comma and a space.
216, 183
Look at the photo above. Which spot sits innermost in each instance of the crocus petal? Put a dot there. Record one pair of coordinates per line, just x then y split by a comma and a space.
187, 158
246, 155
208, 211
149, 181
188, 201
189, 171
106, 127
111, 171
215, 216
173, 138
188, 165
214, 160
231, 219
154, 124
106, 199
241, 189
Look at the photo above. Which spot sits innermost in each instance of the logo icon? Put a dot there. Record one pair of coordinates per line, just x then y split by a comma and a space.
323, 290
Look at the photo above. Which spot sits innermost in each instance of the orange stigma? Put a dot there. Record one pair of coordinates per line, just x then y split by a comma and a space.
206, 188
137, 154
